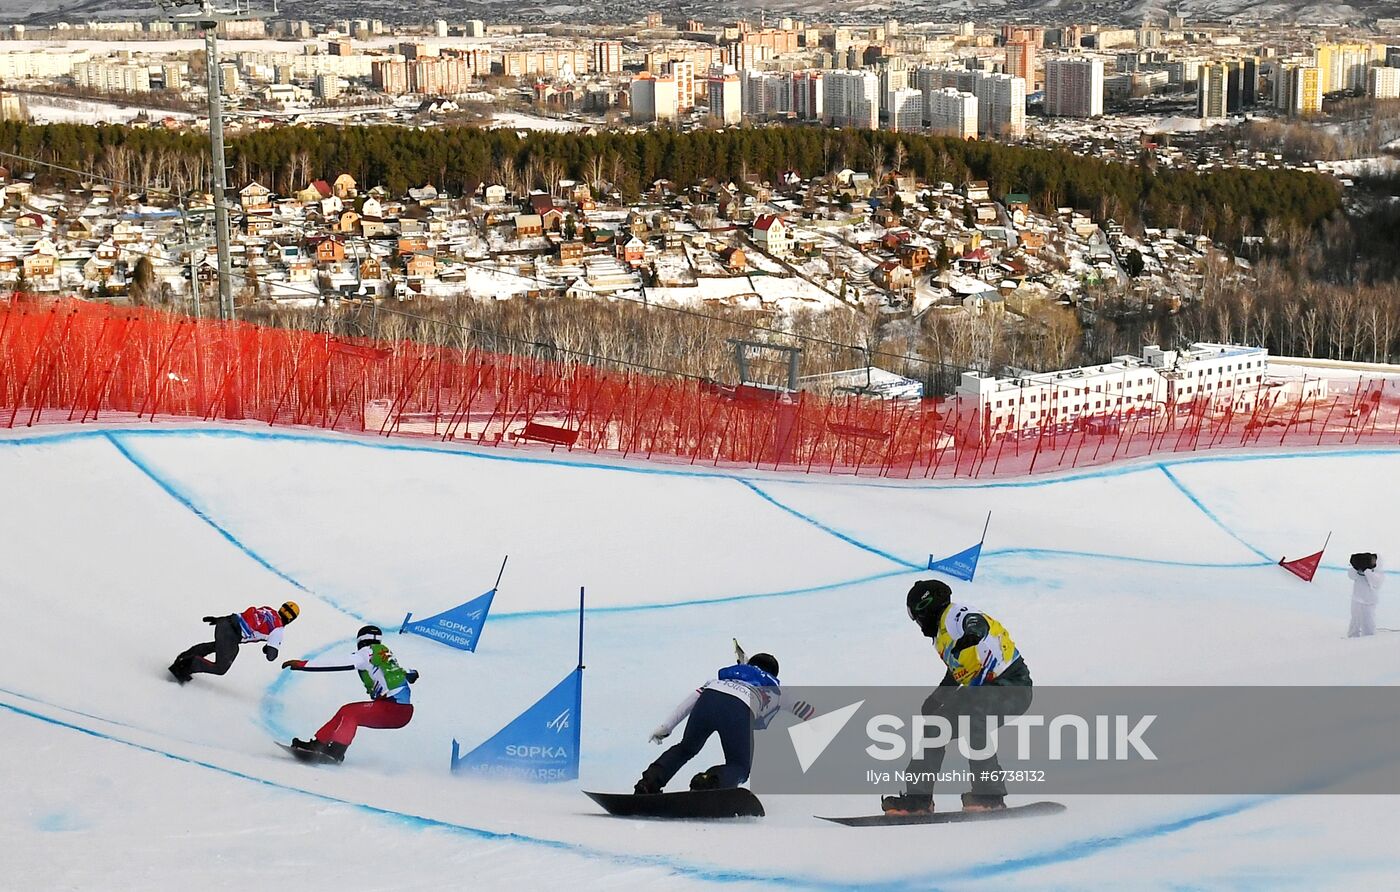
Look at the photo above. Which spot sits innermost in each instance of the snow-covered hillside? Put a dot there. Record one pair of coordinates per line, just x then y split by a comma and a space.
114, 542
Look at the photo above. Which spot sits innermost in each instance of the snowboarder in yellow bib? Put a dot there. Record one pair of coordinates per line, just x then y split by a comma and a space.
984, 677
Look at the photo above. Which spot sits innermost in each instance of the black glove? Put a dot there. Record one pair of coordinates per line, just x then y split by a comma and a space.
270, 652
211, 619
411, 675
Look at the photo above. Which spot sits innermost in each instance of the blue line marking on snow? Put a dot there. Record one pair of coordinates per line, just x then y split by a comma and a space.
1085, 848
194, 509
1136, 465
807, 518
270, 707
185, 500
1175, 481
700, 602
709, 874
1053, 553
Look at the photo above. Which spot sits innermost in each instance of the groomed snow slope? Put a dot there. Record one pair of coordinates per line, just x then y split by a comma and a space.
114, 542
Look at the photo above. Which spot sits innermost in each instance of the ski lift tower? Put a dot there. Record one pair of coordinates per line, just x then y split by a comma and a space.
206, 16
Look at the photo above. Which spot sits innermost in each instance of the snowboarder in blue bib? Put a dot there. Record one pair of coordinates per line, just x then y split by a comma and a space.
744, 697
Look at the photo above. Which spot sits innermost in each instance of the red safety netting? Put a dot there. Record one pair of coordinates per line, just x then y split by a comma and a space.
76, 361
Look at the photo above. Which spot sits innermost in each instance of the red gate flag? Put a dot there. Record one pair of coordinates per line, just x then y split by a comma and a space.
1305, 567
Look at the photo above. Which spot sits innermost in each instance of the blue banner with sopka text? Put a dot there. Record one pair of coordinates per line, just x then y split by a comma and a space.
459, 627
541, 745
962, 565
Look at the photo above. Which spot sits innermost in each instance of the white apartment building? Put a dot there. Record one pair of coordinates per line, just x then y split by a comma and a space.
1074, 88
893, 77
852, 99
906, 111
684, 73
22, 65
112, 77
607, 56
654, 98
1001, 104
1223, 375
953, 113
767, 94
1383, 83
725, 97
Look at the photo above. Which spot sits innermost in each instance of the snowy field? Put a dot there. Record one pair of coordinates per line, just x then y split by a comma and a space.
116, 541
65, 110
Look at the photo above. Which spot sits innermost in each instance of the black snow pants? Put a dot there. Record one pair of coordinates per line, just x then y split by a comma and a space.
228, 634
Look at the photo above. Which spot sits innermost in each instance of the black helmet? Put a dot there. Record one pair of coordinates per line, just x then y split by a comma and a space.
927, 600
368, 635
767, 662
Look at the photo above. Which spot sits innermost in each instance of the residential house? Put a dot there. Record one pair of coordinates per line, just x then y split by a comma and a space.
426, 194
733, 258
976, 190
495, 194
128, 233
528, 226
892, 276
254, 196
330, 250
913, 257
41, 262
570, 253
772, 235
412, 244
421, 266
345, 187
633, 251
314, 193
1018, 207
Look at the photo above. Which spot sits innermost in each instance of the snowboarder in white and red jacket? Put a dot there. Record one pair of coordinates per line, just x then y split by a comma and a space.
263, 624
385, 681
1366, 577
743, 697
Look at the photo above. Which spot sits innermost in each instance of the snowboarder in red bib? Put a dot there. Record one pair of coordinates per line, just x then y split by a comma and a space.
985, 678
254, 624
385, 681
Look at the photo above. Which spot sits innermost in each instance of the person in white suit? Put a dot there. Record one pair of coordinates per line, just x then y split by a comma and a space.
1366, 577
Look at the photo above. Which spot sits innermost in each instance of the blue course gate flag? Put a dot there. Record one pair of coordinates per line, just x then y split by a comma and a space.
962, 565
541, 745
459, 627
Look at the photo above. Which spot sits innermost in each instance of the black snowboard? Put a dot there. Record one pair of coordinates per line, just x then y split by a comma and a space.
952, 817
735, 802
311, 756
